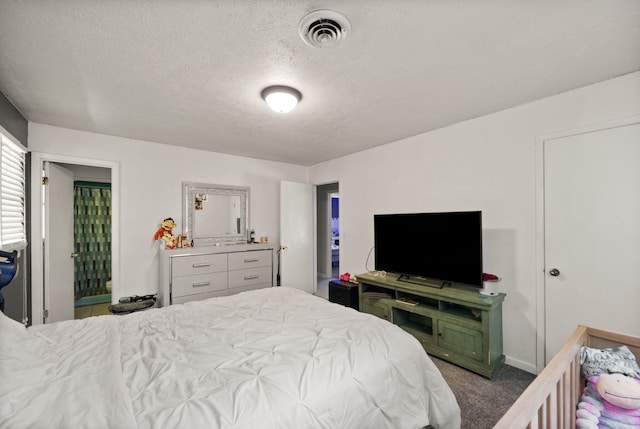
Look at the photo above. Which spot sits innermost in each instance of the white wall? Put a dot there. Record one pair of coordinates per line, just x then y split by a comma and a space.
486, 164
151, 177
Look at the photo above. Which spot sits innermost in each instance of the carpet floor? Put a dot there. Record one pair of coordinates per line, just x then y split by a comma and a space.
482, 401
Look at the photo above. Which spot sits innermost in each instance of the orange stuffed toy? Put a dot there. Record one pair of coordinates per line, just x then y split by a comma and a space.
165, 233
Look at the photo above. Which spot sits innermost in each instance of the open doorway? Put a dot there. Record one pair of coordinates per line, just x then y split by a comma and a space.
328, 236
75, 269
91, 239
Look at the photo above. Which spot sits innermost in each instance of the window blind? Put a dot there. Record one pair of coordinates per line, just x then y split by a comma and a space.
12, 195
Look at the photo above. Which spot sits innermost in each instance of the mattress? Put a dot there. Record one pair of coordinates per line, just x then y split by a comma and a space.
270, 358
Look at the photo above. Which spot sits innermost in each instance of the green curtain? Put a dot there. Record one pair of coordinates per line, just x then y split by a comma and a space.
92, 225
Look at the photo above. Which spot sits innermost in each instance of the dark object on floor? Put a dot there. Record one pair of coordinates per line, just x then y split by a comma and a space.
132, 304
136, 298
344, 293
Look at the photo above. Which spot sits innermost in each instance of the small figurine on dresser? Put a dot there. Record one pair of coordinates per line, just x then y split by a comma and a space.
165, 233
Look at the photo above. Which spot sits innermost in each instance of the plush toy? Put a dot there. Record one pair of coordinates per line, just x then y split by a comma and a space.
610, 401
165, 233
611, 398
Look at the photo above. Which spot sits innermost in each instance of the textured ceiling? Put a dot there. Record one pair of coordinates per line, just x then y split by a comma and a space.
190, 73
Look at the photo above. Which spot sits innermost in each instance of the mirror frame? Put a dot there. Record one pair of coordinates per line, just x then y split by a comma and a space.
190, 189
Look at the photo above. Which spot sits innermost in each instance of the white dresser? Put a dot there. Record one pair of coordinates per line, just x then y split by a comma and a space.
195, 273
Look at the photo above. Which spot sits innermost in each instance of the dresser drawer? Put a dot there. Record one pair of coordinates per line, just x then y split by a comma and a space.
250, 276
199, 296
248, 287
190, 285
251, 259
198, 264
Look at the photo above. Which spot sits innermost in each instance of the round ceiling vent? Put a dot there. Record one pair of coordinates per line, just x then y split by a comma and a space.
324, 28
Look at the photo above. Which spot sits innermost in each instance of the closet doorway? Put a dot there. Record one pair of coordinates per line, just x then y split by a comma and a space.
328, 236
75, 217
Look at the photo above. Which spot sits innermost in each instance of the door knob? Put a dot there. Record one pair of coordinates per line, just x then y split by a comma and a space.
554, 272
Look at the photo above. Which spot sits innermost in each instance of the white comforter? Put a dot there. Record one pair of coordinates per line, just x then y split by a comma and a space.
272, 358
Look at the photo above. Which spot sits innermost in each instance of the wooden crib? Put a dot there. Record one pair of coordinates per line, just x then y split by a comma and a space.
551, 399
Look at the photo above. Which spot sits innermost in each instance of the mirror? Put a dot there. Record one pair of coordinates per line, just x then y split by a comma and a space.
215, 213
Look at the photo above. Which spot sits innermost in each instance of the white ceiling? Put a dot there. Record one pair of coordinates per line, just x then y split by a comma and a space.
190, 72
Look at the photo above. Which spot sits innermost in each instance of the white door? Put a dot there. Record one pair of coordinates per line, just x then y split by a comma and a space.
592, 233
297, 236
58, 243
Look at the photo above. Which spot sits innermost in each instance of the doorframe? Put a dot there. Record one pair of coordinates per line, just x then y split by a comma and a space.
37, 254
325, 219
330, 223
540, 221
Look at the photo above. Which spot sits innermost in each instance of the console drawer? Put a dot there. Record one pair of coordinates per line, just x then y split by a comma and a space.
377, 308
460, 340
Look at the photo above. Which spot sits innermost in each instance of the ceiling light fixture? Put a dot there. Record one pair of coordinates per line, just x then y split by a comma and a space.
282, 99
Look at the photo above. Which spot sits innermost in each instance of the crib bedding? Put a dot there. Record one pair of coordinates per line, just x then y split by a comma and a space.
271, 358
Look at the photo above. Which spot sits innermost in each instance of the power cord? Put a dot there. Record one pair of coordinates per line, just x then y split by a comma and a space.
373, 272
366, 263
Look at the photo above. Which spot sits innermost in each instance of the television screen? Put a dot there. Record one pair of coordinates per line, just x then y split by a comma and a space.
445, 247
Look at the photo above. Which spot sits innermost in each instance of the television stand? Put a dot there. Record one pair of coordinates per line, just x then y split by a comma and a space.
422, 281
453, 323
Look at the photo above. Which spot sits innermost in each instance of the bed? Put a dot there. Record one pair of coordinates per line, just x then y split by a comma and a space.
270, 358
551, 399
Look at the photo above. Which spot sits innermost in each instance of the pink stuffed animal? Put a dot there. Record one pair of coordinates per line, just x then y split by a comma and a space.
610, 401
611, 398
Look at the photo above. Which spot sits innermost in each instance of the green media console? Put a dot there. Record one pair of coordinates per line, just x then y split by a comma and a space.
456, 324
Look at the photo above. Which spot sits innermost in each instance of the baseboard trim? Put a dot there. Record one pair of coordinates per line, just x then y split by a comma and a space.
517, 363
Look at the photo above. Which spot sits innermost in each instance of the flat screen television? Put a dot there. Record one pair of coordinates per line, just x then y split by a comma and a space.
434, 249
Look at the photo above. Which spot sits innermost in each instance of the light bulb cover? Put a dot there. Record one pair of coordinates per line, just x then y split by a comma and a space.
280, 98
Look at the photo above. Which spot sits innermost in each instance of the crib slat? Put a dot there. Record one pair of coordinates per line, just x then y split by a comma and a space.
555, 406
576, 390
544, 414
566, 398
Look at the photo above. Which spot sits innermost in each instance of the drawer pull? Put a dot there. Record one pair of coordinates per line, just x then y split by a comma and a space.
201, 265
251, 260
200, 284
251, 276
